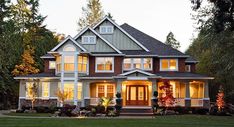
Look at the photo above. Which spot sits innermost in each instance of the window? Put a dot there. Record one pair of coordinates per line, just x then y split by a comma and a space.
69, 48
178, 89
196, 90
104, 64
127, 64
69, 63
79, 91
106, 29
69, 89
58, 64
137, 63
45, 89
89, 39
140, 63
169, 65
105, 90
51, 64
29, 92
82, 64
188, 68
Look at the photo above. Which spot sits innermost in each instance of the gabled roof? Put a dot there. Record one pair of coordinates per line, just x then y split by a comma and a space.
65, 40
47, 56
191, 60
155, 46
88, 28
122, 30
137, 71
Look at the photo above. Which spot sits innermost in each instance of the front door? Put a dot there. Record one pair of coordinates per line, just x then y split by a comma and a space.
137, 95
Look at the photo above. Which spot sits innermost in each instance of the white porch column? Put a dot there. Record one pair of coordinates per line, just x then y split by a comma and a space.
154, 87
119, 86
75, 78
62, 75
86, 93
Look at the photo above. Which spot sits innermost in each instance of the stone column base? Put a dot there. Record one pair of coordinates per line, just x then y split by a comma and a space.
86, 102
206, 103
187, 103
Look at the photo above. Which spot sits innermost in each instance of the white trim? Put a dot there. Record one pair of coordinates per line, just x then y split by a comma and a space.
137, 78
136, 70
187, 98
177, 65
97, 34
88, 37
66, 39
142, 64
206, 99
107, 54
138, 43
189, 68
36, 77
104, 71
105, 88
106, 27
47, 57
96, 78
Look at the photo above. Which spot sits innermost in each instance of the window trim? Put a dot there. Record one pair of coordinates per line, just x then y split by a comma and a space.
105, 88
68, 63
104, 71
142, 63
82, 63
189, 68
106, 27
95, 39
177, 66
54, 64
42, 90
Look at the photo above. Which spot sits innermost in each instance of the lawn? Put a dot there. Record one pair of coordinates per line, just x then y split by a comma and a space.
160, 121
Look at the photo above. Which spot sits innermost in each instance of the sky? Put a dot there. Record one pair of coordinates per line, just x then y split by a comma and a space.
153, 17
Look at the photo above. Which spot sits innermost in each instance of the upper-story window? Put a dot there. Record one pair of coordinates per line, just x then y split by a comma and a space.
88, 39
69, 48
52, 65
69, 63
104, 64
106, 29
58, 64
188, 68
82, 64
168, 64
140, 63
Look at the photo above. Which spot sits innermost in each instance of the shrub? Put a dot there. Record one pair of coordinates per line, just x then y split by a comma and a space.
66, 110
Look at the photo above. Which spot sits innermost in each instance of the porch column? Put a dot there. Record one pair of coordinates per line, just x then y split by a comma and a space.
62, 76
154, 87
206, 99
119, 86
187, 97
86, 93
75, 78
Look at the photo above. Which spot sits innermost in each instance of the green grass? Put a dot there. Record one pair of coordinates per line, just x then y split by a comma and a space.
29, 114
159, 121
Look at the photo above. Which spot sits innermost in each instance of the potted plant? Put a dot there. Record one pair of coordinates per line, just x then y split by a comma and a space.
155, 102
118, 105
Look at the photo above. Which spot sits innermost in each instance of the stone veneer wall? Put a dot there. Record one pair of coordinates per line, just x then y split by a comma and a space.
38, 102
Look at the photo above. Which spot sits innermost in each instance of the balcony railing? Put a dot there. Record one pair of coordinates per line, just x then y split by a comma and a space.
95, 101
196, 102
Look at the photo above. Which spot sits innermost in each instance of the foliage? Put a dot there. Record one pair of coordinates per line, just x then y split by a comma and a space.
62, 96
67, 110
167, 100
170, 40
28, 64
220, 99
105, 102
91, 14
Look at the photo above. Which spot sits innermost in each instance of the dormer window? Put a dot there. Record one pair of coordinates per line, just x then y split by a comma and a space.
106, 29
88, 39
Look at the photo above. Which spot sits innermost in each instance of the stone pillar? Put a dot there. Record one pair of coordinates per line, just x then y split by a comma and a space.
187, 97
206, 99
86, 93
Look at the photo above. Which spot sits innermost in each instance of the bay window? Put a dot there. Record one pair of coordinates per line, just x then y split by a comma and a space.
139, 63
82, 64
168, 64
69, 63
104, 64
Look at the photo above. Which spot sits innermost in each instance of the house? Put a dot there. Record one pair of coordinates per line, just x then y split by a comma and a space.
107, 58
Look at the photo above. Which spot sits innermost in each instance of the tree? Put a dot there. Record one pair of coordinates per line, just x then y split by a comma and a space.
170, 40
106, 102
91, 14
62, 96
220, 99
33, 92
28, 64
167, 100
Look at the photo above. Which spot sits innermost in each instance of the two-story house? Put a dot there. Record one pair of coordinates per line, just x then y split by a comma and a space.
107, 58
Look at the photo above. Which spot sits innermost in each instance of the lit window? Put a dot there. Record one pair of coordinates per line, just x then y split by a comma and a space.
29, 89
168, 65
58, 64
69, 63
69, 89
89, 39
105, 90
187, 68
147, 63
104, 64
45, 89
106, 29
69, 48
79, 91
196, 90
127, 64
137, 63
82, 63
51, 64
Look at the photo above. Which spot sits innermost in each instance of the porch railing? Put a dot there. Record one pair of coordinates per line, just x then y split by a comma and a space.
95, 101
179, 102
196, 102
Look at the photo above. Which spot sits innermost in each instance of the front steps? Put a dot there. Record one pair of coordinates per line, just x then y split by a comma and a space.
136, 111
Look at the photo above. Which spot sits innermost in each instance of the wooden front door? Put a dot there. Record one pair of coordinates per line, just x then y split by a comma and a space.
137, 95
